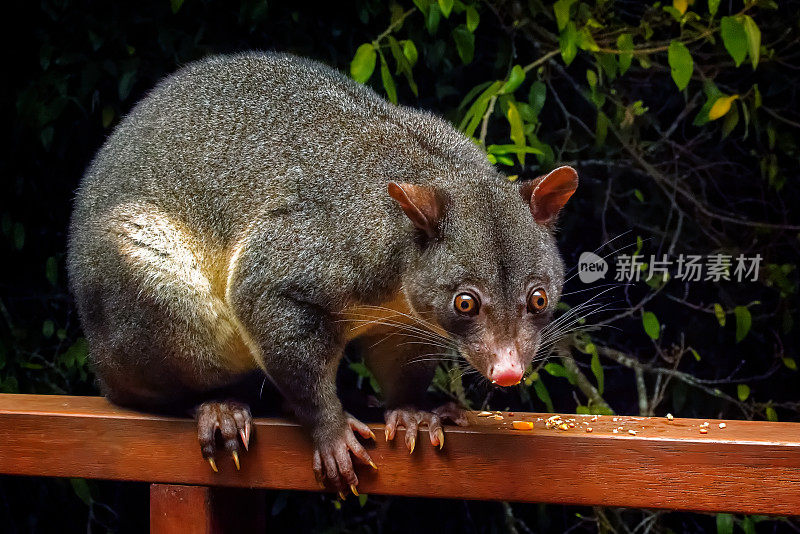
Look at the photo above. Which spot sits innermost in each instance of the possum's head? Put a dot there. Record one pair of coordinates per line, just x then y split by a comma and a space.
489, 272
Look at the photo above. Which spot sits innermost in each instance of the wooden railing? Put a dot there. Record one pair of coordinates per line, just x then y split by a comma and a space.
682, 464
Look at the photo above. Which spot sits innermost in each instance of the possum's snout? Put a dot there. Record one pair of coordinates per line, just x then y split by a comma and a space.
505, 367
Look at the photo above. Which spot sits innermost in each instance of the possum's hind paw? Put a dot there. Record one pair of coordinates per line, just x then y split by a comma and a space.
233, 422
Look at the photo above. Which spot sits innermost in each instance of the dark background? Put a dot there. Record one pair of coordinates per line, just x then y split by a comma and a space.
657, 176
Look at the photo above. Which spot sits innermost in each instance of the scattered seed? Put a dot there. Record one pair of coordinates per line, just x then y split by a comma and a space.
484, 414
632, 432
722, 425
572, 425
498, 417
522, 425
563, 426
615, 431
704, 431
588, 429
670, 417
705, 425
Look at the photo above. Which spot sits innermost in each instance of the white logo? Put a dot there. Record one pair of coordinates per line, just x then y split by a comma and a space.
591, 267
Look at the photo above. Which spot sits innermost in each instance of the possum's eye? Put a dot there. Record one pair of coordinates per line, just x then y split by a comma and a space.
466, 304
537, 300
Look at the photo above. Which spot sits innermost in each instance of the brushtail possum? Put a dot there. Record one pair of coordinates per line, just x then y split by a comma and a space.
263, 211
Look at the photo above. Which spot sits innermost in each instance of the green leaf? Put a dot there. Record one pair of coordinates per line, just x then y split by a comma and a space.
175, 5
772, 415
591, 78
753, 39
743, 392
432, 18
465, 43
51, 270
517, 129
126, 84
719, 313
625, 44
362, 499
403, 66
541, 391
472, 93
556, 369
446, 6
561, 10
597, 367
108, 116
695, 354
586, 41
81, 489
734, 37
724, 524
515, 79
713, 6
410, 51
19, 236
600, 134
473, 18
512, 149
475, 113
743, 321
730, 122
537, 96
748, 525
651, 325
363, 64
568, 43
680, 63
609, 64
790, 363
48, 329
388, 81
423, 5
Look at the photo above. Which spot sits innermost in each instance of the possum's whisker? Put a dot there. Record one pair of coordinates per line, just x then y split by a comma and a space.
571, 326
413, 317
607, 255
593, 288
395, 324
393, 314
438, 345
607, 242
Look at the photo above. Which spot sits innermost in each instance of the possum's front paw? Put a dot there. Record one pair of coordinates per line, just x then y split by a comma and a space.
332, 455
233, 421
411, 418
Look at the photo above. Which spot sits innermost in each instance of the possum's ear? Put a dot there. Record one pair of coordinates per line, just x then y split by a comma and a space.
547, 194
421, 204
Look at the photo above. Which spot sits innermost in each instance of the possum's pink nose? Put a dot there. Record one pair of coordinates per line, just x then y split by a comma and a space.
506, 372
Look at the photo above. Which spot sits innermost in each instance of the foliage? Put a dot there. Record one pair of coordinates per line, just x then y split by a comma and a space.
680, 117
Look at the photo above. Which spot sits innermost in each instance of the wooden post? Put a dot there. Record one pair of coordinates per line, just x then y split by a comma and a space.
176, 509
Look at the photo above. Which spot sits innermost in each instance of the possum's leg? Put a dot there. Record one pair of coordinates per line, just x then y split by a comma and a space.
161, 335
301, 351
300, 347
404, 368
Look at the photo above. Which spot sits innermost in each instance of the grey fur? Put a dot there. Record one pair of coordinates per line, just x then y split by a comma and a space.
291, 159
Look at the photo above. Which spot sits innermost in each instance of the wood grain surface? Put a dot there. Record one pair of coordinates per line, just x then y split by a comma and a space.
746, 467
